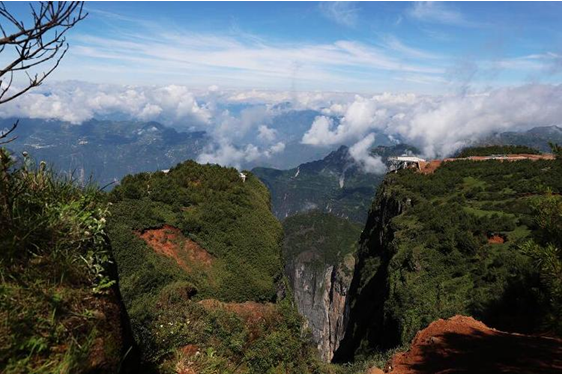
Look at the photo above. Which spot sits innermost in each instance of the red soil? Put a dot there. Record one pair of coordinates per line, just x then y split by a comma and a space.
496, 239
464, 345
185, 364
430, 166
170, 242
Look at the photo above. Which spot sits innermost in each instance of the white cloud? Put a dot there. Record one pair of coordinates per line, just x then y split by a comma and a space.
437, 124
432, 11
77, 102
236, 59
224, 153
360, 152
360, 117
341, 12
277, 148
394, 44
440, 125
266, 134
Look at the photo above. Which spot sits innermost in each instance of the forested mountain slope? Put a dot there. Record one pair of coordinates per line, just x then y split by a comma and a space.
455, 242
335, 184
199, 258
538, 138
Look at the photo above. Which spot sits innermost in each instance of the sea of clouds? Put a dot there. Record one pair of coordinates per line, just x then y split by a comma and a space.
242, 122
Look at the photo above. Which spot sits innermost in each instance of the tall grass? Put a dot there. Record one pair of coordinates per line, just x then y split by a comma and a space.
53, 258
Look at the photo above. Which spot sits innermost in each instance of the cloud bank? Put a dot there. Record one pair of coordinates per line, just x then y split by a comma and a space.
243, 123
440, 125
77, 102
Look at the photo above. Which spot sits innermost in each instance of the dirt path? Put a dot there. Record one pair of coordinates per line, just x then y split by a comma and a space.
464, 345
430, 166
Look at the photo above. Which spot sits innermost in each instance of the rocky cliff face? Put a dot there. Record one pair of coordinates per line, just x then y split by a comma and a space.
368, 292
321, 295
319, 259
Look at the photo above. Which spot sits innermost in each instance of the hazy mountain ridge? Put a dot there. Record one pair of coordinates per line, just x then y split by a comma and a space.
538, 138
335, 184
105, 150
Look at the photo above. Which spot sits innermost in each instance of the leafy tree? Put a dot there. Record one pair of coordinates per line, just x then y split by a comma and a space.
546, 254
556, 150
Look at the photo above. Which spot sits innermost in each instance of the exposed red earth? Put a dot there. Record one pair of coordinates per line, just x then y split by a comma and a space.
430, 166
462, 344
496, 239
170, 242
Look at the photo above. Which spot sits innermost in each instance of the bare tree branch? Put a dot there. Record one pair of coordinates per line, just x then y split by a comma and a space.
38, 43
6, 133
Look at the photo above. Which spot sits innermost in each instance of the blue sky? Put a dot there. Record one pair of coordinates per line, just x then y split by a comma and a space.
364, 47
434, 75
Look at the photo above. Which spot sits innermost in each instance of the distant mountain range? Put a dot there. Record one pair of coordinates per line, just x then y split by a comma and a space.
537, 138
105, 150
335, 184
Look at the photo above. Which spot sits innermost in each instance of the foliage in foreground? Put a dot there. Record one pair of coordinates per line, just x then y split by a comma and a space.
56, 307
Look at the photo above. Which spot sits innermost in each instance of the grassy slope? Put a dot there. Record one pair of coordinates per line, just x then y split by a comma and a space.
58, 312
439, 262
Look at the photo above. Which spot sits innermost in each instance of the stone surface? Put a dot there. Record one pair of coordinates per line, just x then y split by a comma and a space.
321, 296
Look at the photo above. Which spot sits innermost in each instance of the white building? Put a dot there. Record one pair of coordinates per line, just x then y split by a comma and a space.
403, 162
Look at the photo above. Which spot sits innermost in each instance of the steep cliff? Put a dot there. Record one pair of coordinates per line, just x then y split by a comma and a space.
429, 251
318, 251
368, 287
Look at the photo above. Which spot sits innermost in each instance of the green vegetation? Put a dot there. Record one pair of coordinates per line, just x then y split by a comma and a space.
429, 251
497, 150
329, 237
169, 304
335, 184
546, 253
59, 312
212, 206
